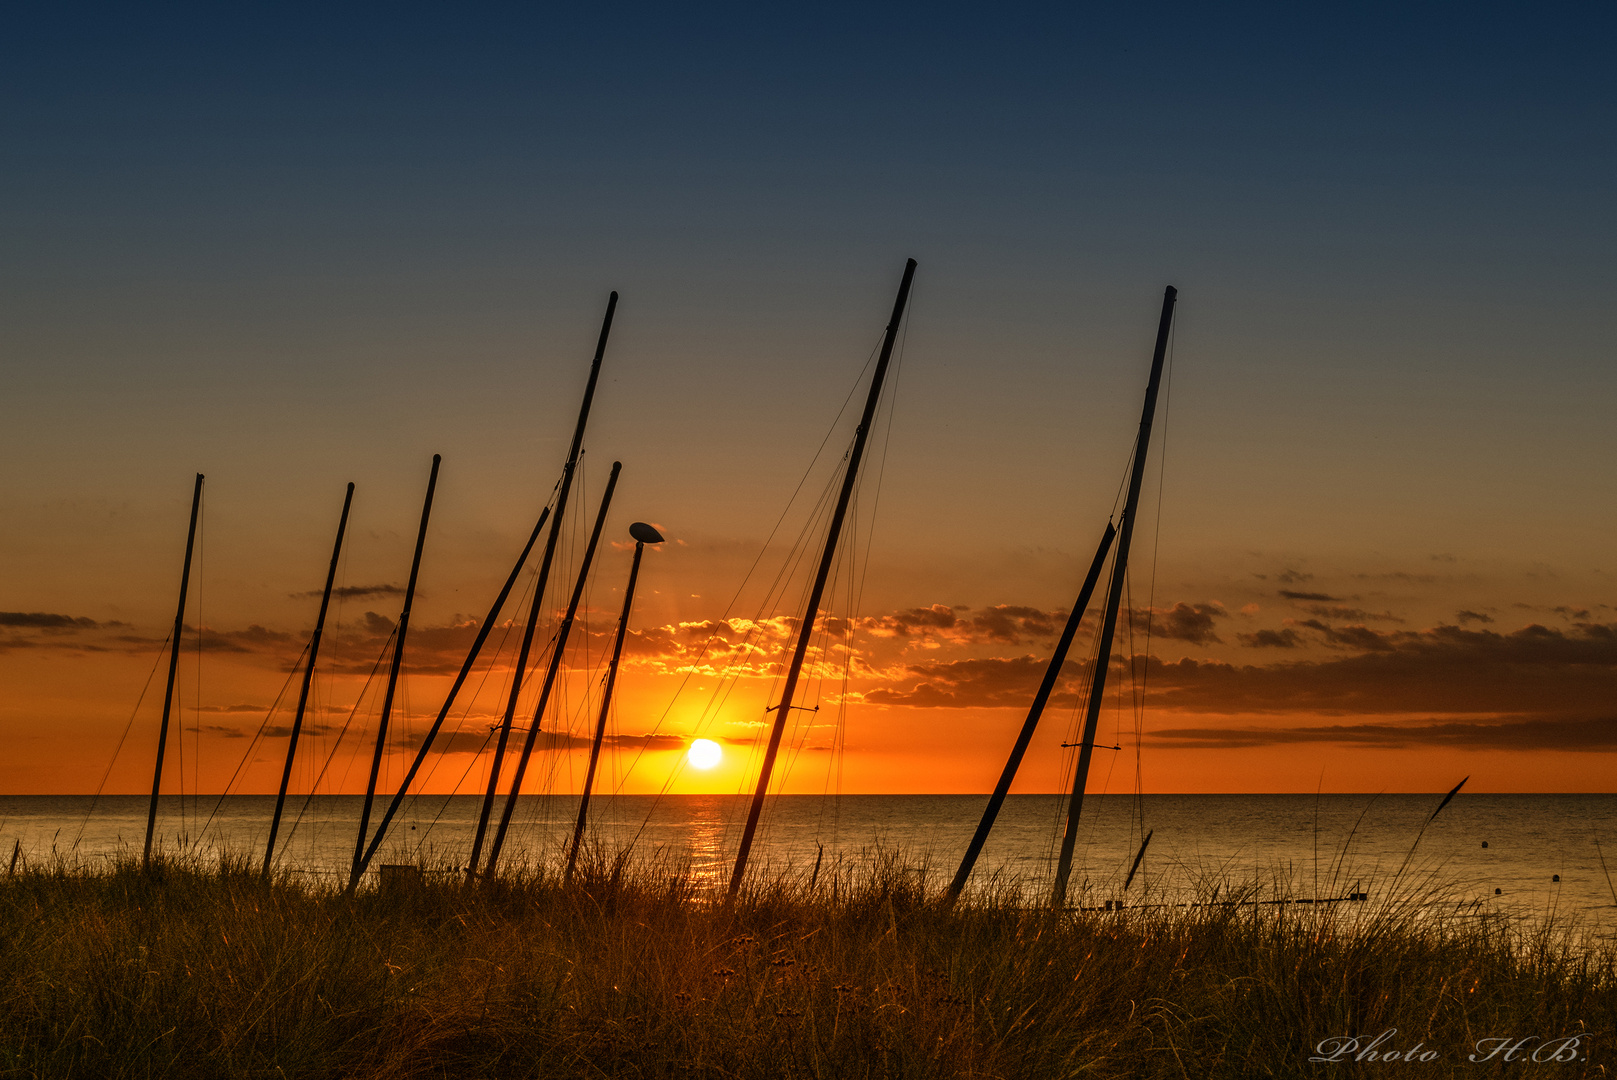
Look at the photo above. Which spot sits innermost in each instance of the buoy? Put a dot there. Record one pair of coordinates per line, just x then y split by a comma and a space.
1498, 892
1555, 877
1485, 843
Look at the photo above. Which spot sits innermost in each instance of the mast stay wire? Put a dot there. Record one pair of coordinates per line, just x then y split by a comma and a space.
724, 680
128, 726
744, 651
846, 558
1138, 678
723, 620
859, 571
337, 743
1156, 547
297, 665
471, 701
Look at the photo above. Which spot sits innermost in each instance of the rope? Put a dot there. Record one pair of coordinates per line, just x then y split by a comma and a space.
247, 756
99, 788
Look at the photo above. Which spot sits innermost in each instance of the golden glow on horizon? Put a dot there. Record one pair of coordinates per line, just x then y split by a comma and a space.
704, 754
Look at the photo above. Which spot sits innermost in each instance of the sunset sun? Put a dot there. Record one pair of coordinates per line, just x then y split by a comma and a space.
704, 754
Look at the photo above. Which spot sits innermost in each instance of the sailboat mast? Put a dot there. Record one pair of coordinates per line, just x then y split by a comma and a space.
539, 591
556, 651
308, 680
1057, 660
806, 628
173, 667
454, 690
642, 534
393, 671
1114, 596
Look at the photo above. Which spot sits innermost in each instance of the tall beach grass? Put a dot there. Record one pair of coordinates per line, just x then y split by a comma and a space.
205, 969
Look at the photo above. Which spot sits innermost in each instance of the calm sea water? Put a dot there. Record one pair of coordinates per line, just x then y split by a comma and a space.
1310, 845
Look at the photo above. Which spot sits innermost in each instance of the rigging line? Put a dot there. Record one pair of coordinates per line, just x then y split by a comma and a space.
470, 765
337, 743
856, 594
1156, 547
1069, 766
726, 682
196, 703
762, 551
471, 701
119, 748
794, 557
248, 753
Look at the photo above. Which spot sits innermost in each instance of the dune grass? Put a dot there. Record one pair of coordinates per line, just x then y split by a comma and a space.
194, 970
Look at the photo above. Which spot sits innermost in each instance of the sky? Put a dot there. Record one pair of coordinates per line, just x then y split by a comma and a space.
293, 247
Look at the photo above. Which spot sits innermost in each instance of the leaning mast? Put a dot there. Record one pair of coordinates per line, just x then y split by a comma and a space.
173, 666
393, 673
810, 615
568, 469
308, 681
1114, 596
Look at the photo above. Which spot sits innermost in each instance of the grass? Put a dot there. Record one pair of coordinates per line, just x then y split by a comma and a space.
194, 970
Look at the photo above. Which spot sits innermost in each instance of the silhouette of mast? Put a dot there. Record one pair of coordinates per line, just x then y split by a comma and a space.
460, 680
556, 652
308, 680
393, 672
1057, 660
806, 628
556, 519
643, 534
1103, 658
173, 667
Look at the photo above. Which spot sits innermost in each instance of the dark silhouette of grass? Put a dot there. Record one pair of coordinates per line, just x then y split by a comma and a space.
206, 970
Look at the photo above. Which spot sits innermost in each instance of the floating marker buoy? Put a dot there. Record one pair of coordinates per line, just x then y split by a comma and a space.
1555, 877
1485, 843
1498, 892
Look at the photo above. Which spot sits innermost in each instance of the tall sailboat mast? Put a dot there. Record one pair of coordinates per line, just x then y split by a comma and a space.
810, 614
556, 651
454, 690
1057, 661
556, 518
1114, 596
643, 534
393, 672
308, 681
173, 667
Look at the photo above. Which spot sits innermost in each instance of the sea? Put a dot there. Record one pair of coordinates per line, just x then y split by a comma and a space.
1528, 856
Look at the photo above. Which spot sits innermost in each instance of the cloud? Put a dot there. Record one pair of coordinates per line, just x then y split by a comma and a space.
1292, 577
1185, 622
1594, 734
378, 624
355, 592
1349, 637
1532, 673
1352, 614
40, 620
1008, 624
995, 682
482, 736
1535, 672
1271, 639
1011, 624
912, 621
1319, 596
1472, 616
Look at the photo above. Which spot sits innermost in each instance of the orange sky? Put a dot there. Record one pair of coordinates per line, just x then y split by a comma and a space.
1272, 679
